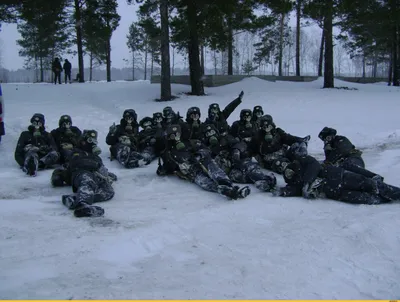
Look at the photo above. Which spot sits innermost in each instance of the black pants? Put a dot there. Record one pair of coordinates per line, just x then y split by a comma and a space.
57, 75
67, 76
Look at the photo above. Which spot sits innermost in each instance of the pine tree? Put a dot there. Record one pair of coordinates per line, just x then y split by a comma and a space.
43, 31
135, 38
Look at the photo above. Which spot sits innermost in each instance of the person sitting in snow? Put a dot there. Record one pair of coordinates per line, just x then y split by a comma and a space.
219, 118
157, 120
339, 151
308, 178
271, 144
258, 112
235, 159
150, 139
66, 136
187, 160
193, 123
170, 117
90, 179
244, 129
123, 139
36, 149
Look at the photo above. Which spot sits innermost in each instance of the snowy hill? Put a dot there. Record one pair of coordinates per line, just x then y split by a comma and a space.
162, 238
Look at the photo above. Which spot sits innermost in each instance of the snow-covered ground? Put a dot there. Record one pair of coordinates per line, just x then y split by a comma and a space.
163, 238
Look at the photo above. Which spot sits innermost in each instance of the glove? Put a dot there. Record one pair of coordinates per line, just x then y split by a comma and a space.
241, 95
306, 139
113, 129
277, 192
112, 176
378, 178
308, 193
125, 140
247, 139
67, 146
31, 148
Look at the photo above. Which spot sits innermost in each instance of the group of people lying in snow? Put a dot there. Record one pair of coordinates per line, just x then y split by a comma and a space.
212, 154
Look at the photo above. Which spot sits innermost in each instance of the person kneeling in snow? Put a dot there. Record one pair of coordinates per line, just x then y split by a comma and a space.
189, 161
123, 141
90, 179
233, 156
36, 149
306, 177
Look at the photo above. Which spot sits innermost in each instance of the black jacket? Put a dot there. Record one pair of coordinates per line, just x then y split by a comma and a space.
60, 137
341, 148
67, 67
113, 138
151, 138
45, 143
222, 124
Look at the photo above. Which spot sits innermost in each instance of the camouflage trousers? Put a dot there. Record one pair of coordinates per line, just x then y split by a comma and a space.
130, 158
91, 189
34, 162
249, 172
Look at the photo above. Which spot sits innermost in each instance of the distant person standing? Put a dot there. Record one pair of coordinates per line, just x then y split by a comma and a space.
67, 70
57, 68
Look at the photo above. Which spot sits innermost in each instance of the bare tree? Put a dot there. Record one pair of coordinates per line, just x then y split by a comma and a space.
340, 54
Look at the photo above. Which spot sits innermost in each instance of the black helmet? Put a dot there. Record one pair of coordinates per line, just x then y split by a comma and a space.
130, 114
38, 118
146, 122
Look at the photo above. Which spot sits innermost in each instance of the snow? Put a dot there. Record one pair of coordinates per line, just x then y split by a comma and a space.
163, 238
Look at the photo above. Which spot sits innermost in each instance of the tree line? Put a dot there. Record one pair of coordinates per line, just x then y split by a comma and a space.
369, 30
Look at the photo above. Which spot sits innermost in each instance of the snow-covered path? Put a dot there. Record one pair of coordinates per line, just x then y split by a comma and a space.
162, 238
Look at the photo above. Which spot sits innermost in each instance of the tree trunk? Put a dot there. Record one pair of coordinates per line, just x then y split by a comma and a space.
133, 65
390, 69
193, 47
165, 59
396, 61
79, 43
298, 18
328, 28
145, 59
42, 71
108, 60
363, 66
202, 60
91, 67
173, 60
151, 65
230, 46
280, 58
215, 63
321, 54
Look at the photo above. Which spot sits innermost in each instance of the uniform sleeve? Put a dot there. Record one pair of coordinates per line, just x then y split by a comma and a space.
311, 168
228, 110
290, 191
19, 154
287, 138
51, 143
341, 147
112, 138
234, 131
